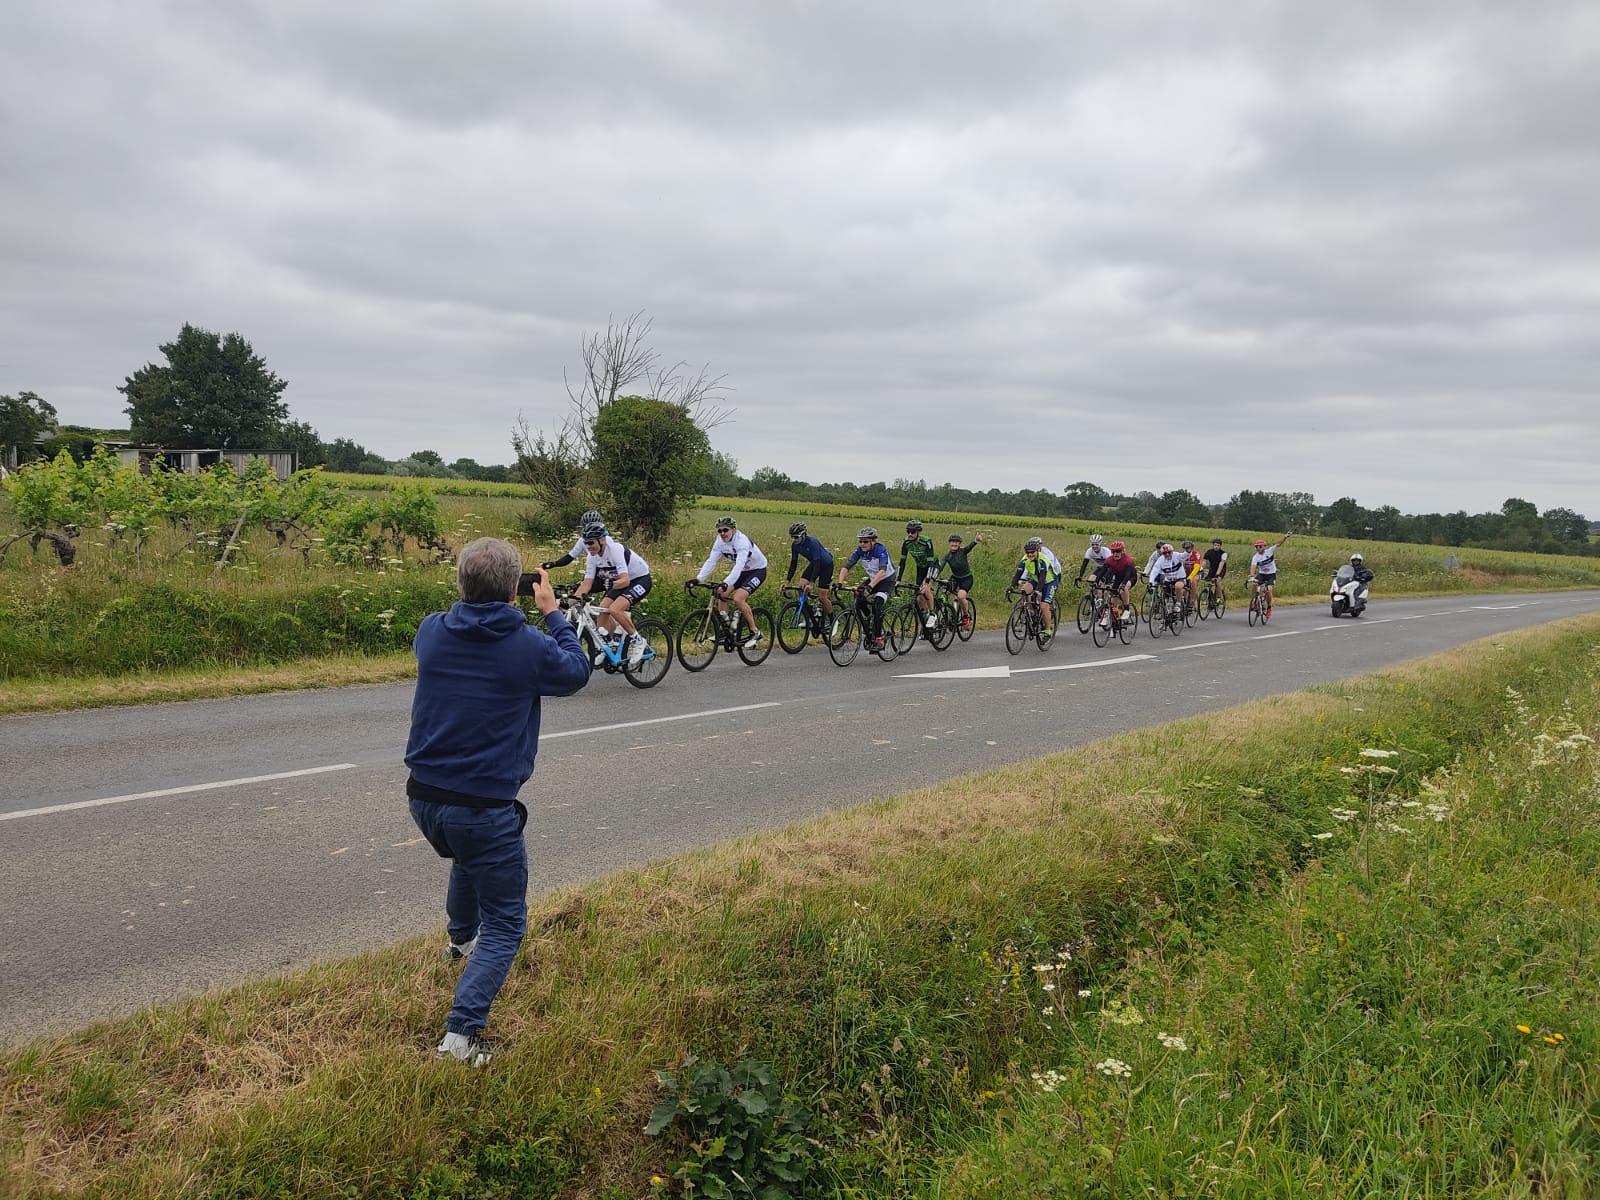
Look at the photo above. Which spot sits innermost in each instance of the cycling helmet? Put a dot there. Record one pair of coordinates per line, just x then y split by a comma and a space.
798, 529
1033, 543
1117, 547
727, 523
1166, 547
594, 532
590, 518
913, 526
1355, 558
954, 539
1094, 539
1261, 544
1188, 545
867, 531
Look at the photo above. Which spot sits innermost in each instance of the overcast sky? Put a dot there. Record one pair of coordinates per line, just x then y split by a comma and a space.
1351, 249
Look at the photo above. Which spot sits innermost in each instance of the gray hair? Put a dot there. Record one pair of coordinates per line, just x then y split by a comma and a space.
488, 570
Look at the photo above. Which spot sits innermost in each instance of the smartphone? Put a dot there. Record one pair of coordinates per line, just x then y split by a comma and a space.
526, 581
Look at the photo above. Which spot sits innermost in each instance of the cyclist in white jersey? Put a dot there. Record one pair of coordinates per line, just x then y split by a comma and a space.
747, 571
1170, 566
1093, 558
578, 551
622, 577
1264, 568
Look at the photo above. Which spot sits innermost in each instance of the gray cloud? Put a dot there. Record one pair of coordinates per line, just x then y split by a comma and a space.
1349, 251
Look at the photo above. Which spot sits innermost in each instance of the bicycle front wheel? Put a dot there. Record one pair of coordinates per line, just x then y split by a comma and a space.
844, 639
1191, 611
1207, 599
793, 628
657, 660
1219, 604
1100, 626
1157, 619
1086, 612
1254, 614
1127, 627
698, 639
964, 629
946, 620
1017, 628
755, 653
900, 625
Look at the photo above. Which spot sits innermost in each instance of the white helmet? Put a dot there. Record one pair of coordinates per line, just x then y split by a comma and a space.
1355, 558
1094, 539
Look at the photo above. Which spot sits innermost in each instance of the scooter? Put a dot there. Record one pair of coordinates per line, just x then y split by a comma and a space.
1347, 595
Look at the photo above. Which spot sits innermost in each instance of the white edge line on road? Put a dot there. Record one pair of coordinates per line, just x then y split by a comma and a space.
1261, 637
1413, 617
1202, 645
176, 791
710, 712
1320, 628
1379, 621
1103, 662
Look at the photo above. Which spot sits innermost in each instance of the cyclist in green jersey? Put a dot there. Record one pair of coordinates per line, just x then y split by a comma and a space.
919, 549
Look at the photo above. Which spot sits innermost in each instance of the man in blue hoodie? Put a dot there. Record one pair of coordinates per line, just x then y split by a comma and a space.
481, 669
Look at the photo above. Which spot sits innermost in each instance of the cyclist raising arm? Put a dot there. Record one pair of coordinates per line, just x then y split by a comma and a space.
748, 572
578, 551
1096, 554
1170, 567
874, 559
1264, 568
955, 561
1040, 571
920, 550
819, 565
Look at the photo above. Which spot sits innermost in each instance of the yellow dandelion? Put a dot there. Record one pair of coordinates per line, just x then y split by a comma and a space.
1550, 1041
1523, 1029
1560, 1037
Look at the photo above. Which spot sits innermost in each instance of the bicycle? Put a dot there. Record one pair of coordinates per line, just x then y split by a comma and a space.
965, 626
1028, 622
905, 622
649, 669
705, 631
800, 619
1260, 606
853, 619
1107, 622
1166, 612
1089, 604
1213, 600
948, 624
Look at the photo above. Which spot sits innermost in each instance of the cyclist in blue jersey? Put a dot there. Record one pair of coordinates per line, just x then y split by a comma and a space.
874, 559
819, 566
1039, 571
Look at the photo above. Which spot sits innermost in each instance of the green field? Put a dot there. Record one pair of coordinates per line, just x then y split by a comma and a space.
1333, 944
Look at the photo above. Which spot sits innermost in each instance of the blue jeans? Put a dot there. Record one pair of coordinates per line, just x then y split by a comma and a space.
487, 896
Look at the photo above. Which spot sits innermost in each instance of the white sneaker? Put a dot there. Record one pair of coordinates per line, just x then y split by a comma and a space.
930, 622
456, 951
752, 637
470, 1048
636, 649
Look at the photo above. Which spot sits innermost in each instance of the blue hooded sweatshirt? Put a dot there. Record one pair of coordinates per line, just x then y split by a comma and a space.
481, 669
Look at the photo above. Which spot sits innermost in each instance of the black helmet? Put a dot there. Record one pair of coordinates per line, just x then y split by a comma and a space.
1188, 545
867, 531
913, 526
1033, 543
798, 529
727, 523
594, 532
590, 518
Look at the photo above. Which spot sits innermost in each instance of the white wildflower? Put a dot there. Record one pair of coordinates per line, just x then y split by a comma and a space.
1172, 1041
1113, 1068
1048, 1081
1084, 993
1373, 753
1322, 837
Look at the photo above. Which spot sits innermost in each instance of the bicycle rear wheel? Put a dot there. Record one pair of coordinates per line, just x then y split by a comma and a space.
947, 620
755, 653
1158, 614
657, 660
1017, 628
964, 629
793, 628
844, 641
1219, 604
698, 639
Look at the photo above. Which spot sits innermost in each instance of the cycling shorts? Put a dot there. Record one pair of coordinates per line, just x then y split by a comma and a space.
1267, 577
923, 571
819, 572
749, 581
961, 583
636, 590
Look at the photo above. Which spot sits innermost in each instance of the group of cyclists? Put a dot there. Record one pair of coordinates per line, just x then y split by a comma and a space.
622, 578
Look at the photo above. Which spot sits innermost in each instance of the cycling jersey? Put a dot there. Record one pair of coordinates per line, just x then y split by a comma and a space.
1216, 562
1191, 563
1043, 569
1168, 568
613, 560
875, 560
1150, 562
1265, 563
810, 549
739, 550
956, 561
1118, 570
1096, 555
920, 550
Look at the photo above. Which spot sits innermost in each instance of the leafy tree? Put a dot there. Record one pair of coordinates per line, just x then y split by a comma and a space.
1182, 507
722, 476
1345, 518
1567, 526
342, 454
652, 457
214, 391
24, 418
80, 445
304, 441
769, 481
1085, 499
1251, 510
471, 468
433, 469
428, 458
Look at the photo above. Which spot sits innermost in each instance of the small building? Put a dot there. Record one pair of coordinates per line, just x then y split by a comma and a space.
192, 462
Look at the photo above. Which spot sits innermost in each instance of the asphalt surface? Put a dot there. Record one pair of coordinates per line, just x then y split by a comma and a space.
160, 851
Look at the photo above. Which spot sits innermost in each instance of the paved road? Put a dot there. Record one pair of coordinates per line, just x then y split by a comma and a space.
156, 852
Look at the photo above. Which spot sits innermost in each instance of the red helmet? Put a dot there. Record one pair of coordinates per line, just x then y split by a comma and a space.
1116, 547
1261, 544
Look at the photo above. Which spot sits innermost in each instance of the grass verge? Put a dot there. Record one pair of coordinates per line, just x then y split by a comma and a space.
886, 962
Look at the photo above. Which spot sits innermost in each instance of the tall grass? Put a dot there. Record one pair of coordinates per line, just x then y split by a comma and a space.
885, 961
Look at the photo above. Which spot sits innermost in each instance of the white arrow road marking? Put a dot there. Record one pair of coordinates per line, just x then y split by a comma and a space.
1005, 672
175, 791
710, 712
